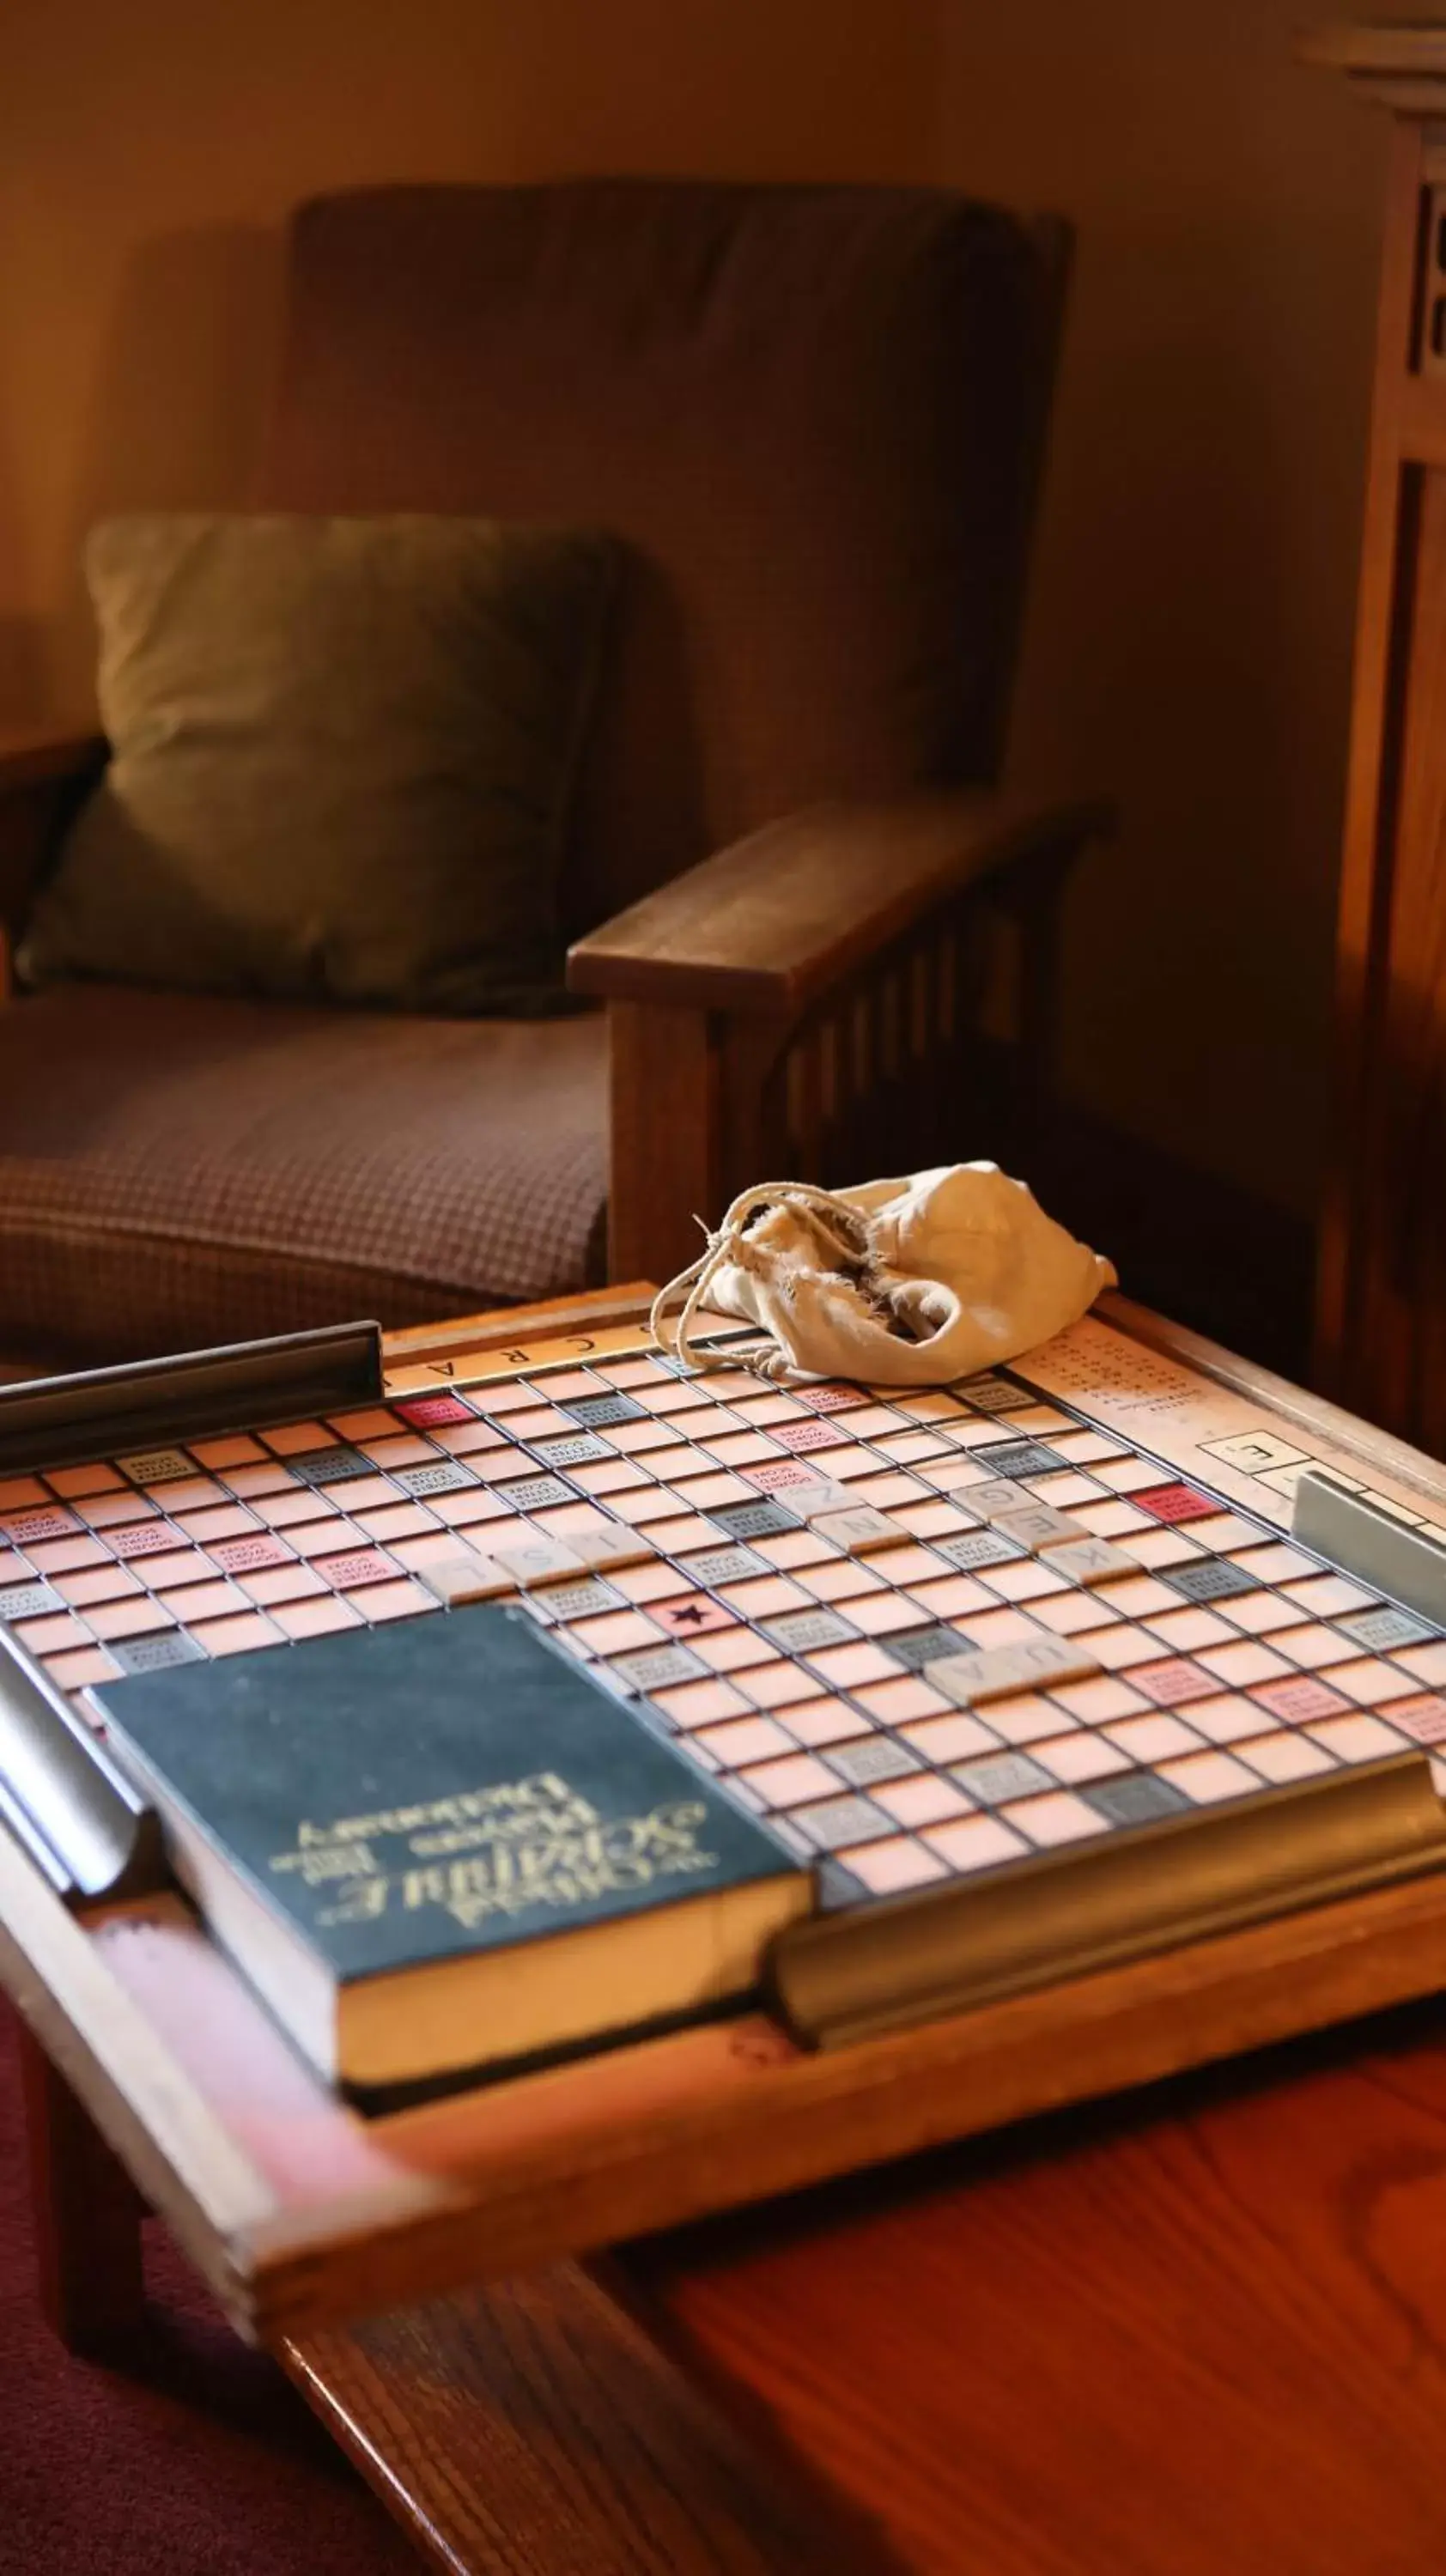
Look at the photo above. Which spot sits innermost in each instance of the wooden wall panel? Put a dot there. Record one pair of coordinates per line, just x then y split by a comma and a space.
1381, 1307
1399, 1339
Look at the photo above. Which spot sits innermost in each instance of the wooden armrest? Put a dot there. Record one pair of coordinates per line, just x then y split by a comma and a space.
47, 758
765, 925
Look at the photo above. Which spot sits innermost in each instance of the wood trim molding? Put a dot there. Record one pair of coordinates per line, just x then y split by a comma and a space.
625, 1304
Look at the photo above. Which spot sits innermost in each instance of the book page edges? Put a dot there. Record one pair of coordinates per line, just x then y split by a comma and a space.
1093, 1906
557, 1989
540, 1991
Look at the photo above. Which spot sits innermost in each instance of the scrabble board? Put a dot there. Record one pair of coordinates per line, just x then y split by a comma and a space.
927, 1766
925, 1634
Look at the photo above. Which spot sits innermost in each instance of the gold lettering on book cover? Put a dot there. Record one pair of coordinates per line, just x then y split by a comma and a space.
492, 1853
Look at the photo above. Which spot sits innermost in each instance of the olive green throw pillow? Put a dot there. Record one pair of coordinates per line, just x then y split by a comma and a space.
342, 757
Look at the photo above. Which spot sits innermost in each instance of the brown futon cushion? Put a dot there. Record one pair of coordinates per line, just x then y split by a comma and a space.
180, 1171
343, 755
810, 413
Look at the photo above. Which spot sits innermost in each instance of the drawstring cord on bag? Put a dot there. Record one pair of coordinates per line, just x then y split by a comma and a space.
728, 1245
913, 1282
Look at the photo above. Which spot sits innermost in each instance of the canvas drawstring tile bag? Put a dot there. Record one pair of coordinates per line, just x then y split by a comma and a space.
899, 1283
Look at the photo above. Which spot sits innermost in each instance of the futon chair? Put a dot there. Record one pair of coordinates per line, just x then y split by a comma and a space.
814, 417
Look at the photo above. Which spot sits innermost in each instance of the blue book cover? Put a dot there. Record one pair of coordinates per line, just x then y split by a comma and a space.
439, 1845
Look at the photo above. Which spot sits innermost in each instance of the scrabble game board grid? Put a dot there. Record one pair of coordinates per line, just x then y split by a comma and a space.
788, 1581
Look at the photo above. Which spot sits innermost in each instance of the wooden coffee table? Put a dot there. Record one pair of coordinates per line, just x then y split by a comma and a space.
1203, 2332
1198, 2330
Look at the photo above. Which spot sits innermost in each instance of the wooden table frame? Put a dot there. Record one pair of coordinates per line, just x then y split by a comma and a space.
299, 2214
542, 2421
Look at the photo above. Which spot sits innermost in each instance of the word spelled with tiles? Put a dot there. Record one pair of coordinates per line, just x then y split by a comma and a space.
926, 1634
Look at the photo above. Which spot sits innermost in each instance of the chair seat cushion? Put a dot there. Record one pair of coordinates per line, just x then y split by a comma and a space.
176, 1171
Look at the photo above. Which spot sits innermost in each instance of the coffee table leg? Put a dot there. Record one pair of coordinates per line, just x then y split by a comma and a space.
533, 2425
87, 2215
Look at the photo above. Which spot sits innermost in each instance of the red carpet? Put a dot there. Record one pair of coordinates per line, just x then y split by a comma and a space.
207, 2465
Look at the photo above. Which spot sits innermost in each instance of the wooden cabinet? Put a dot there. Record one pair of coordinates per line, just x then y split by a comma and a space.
1381, 1306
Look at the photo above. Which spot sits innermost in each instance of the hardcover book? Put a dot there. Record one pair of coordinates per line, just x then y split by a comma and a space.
438, 1846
